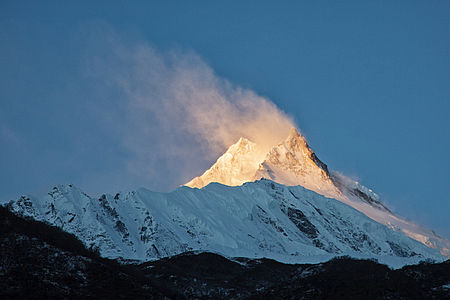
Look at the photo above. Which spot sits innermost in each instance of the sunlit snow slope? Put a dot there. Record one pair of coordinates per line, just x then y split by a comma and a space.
258, 219
293, 162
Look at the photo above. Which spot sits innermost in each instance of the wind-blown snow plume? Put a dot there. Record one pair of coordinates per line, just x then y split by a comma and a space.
184, 94
180, 115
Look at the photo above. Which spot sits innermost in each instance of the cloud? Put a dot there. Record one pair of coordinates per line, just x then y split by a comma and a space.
176, 115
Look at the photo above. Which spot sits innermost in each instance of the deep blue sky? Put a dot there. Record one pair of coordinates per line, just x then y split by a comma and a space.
368, 83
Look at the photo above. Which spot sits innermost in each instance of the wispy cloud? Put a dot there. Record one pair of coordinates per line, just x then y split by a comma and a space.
178, 114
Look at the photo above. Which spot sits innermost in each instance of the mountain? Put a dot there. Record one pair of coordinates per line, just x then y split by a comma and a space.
234, 167
283, 204
293, 162
39, 261
257, 219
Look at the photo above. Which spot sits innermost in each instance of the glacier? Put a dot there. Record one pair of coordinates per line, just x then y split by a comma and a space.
257, 219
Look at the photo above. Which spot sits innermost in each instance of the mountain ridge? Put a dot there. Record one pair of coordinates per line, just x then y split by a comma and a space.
259, 219
293, 162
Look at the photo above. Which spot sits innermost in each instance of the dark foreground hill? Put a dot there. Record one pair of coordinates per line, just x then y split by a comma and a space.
38, 261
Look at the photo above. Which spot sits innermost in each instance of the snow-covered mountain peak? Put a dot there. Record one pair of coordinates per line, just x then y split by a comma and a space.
241, 144
246, 161
296, 140
234, 167
293, 162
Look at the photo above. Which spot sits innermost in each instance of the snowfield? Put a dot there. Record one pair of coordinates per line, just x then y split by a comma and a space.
259, 219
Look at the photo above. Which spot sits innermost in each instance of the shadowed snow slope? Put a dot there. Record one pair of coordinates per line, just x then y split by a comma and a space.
259, 219
292, 163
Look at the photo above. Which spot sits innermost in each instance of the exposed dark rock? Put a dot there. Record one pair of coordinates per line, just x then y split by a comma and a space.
356, 192
368, 199
301, 221
319, 163
399, 251
263, 216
